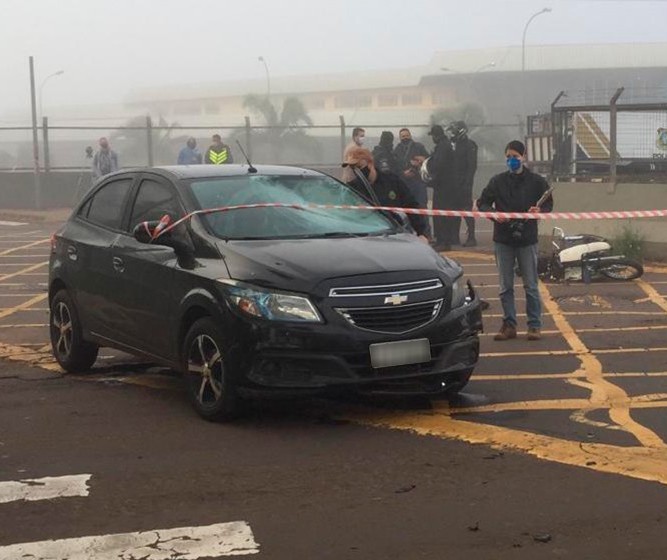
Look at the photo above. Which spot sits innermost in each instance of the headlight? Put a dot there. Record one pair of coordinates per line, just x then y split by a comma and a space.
274, 306
458, 293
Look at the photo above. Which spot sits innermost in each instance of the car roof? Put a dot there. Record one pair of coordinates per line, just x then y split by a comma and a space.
229, 170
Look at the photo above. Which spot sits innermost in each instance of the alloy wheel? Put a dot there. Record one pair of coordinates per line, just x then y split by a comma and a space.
61, 328
206, 370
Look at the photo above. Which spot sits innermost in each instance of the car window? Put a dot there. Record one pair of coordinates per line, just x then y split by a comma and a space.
106, 205
153, 201
301, 190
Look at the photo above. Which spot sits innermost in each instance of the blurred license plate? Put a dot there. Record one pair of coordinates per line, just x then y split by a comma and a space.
401, 353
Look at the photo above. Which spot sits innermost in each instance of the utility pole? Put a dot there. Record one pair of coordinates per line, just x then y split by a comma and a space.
35, 137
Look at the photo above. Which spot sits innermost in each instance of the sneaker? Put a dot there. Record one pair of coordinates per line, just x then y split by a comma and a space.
533, 333
471, 242
506, 332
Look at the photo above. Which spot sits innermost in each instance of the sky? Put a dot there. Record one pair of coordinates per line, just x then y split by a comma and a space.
109, 48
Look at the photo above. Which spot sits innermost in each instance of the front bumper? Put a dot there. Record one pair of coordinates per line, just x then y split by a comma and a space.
320, 357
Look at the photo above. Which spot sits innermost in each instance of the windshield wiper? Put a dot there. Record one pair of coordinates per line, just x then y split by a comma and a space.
331, 235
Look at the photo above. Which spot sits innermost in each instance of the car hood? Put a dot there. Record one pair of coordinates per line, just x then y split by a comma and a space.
300, 265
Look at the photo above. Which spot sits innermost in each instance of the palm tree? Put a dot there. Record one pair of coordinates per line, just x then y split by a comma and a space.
131, 142
282, 130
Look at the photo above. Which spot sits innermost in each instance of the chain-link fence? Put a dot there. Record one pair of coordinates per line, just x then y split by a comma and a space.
610, 140
64, 147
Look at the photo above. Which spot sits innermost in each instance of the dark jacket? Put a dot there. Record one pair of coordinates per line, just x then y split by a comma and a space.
390, 190
385, 160
464, 168
404, 152
511, 192
219, 155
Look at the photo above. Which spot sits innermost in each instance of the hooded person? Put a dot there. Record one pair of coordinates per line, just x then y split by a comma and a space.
189, 154
383, 154
440, 167
387, 189
465, 166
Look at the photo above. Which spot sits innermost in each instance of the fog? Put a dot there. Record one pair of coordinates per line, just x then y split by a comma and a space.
110, 48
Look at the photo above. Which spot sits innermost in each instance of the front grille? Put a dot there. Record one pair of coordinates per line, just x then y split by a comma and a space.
387, 289
395, 320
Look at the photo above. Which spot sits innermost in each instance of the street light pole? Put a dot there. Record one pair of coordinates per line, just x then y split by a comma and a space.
268, 78
525, 30
41, 87
523, 64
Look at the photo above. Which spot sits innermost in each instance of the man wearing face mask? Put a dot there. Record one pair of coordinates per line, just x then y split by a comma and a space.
407, 149
387, 189
516, 190
358, 141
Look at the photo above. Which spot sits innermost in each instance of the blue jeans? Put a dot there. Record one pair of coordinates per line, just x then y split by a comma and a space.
526, 257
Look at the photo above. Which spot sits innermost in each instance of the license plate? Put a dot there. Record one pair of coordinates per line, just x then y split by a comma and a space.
401, 353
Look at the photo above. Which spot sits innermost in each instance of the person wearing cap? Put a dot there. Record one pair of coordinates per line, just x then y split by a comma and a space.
516, 190
465, 166
387, 189
440, 169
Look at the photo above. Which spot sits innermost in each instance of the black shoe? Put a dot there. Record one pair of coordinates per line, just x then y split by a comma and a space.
471, 242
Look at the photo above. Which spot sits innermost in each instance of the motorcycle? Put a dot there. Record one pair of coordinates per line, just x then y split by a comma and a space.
585, 257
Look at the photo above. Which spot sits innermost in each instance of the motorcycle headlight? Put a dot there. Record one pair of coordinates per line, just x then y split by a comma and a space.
274, 306
458, 293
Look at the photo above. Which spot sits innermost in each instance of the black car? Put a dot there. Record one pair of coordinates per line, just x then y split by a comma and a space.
245, 301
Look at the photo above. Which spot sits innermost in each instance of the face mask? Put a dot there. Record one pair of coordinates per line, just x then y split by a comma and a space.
514, 164
405, 141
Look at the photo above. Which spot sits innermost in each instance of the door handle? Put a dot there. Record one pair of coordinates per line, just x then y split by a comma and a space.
118, 264
72, 253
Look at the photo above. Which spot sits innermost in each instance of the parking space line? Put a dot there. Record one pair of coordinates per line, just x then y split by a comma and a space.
186, 543
47, 488
25, 271
22, 306
561, 376
25, 246
24, 326
604, 394
652, 294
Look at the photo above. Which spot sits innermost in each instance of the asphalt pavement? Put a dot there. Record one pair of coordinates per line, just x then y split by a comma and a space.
556, 449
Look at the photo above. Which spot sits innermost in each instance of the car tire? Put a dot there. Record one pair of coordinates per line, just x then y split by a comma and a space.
70, 350
208, 376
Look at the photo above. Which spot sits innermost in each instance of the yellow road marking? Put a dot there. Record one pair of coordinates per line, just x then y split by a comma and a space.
469, 255
558, 376
18, 295
652, 294
22, 306
42, 359
23, 326
588, 313
23, 272
604, 394
14, 249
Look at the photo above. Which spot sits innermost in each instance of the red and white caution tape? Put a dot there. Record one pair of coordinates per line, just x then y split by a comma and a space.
437, 213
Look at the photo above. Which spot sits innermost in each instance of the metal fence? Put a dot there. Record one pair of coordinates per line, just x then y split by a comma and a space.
609, 140
63, 147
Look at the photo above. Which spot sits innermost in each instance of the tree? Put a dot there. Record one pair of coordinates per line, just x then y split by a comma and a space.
131, 142
490, 139
282, 135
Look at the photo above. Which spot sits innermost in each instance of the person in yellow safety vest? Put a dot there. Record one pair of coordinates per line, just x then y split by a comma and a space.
218, 153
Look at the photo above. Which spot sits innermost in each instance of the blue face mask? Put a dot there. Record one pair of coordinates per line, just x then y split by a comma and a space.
513, 164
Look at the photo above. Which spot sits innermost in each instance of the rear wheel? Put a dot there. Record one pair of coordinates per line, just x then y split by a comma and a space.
71, 351
622, 269
207, 374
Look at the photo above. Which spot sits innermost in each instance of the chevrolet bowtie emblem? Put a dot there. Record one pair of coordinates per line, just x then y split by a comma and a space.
395, 299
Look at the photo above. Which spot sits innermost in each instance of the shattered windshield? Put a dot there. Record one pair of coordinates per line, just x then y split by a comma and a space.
272, 223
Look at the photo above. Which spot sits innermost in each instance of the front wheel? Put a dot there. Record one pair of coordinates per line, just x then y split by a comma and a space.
207, 373
622, 269
71, 351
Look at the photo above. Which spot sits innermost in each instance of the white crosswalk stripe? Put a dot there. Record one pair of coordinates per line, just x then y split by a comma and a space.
185, 543
47, 488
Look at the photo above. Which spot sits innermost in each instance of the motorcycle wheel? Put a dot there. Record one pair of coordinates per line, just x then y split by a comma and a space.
622, 269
